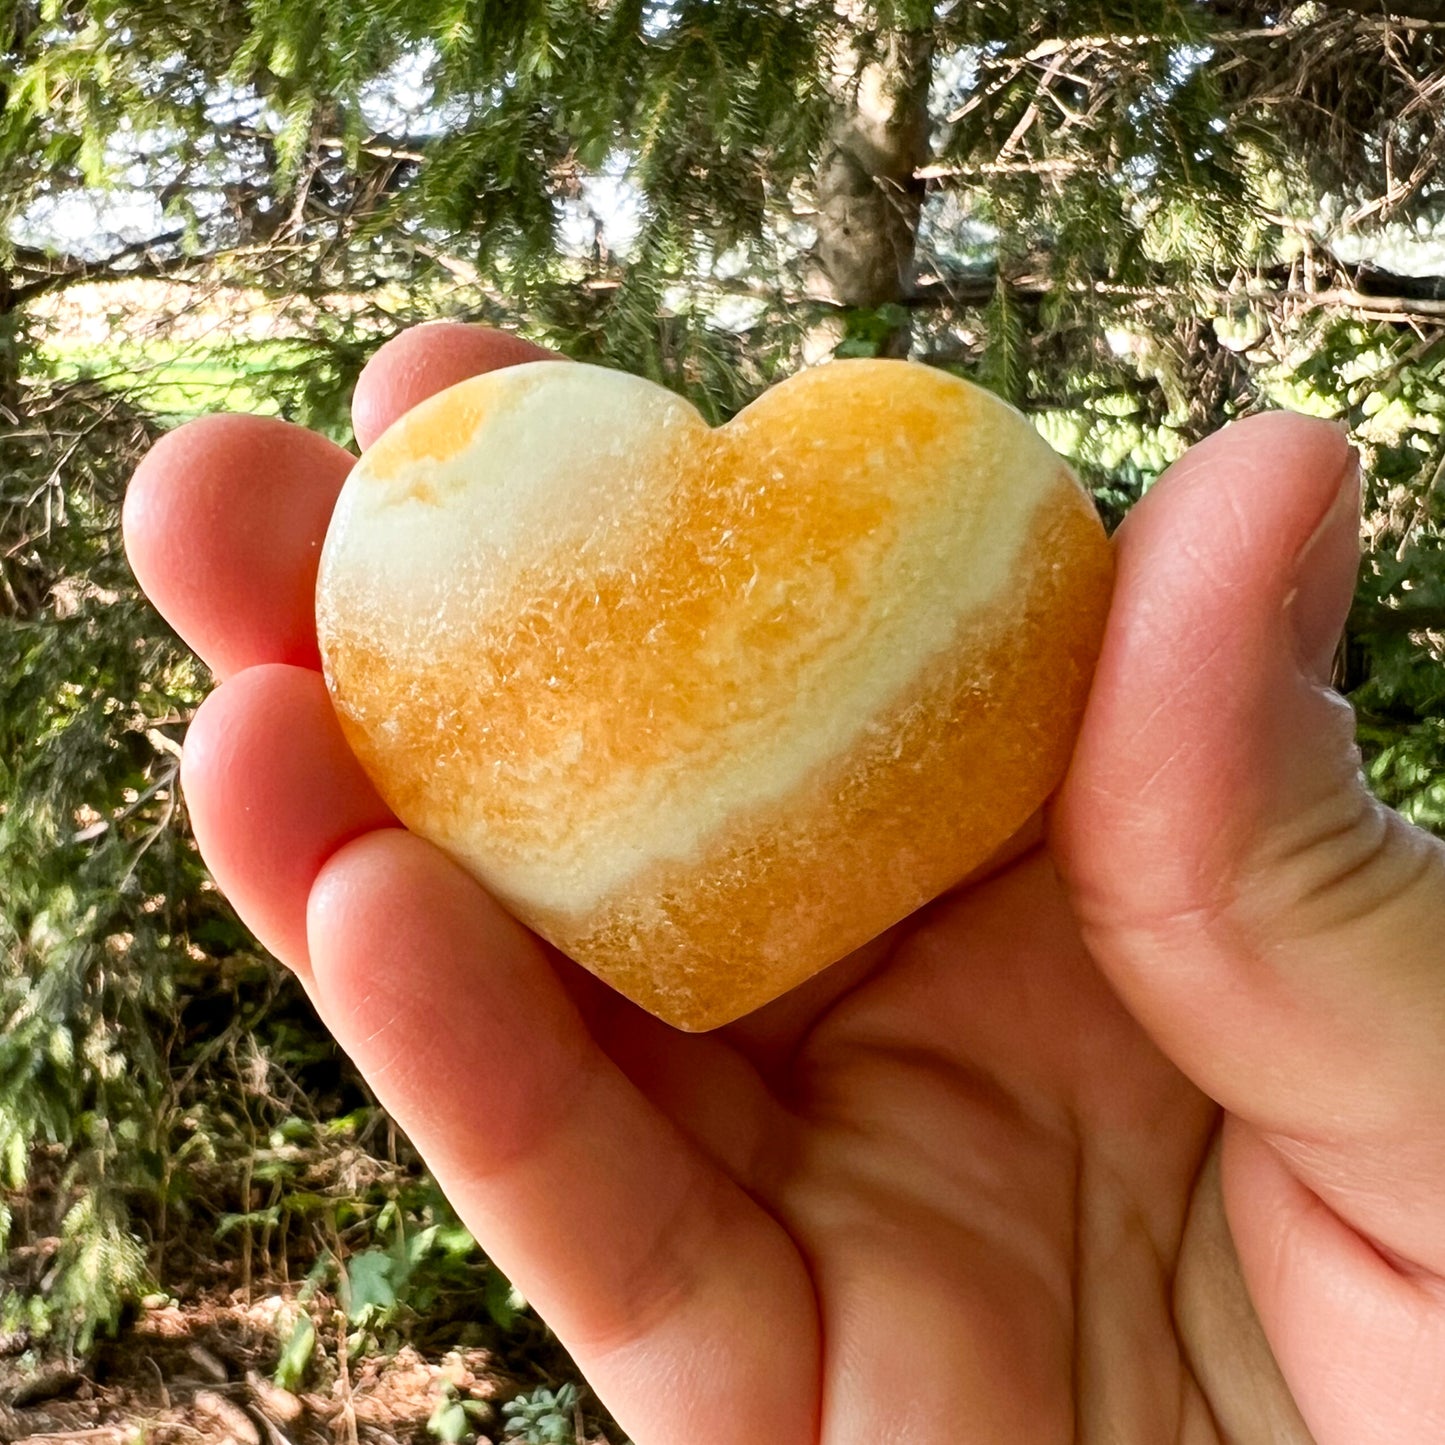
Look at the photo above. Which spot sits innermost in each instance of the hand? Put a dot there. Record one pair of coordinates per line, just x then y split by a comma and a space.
972, 1182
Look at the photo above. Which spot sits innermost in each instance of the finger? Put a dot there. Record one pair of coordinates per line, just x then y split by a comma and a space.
1360, 1339
273, 791
224, 521
683, 1302
428, 359
225, 517
1276, 929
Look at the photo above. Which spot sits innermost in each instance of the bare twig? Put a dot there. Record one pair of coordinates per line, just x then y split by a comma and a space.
343, 1370
1422, 509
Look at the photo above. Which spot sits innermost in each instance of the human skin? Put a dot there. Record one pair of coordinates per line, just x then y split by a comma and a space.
1138, 1137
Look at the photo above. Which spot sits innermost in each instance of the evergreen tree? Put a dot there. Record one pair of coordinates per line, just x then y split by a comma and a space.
1136, 218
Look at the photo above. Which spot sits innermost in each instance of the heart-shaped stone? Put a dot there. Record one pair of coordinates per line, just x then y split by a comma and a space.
710, 708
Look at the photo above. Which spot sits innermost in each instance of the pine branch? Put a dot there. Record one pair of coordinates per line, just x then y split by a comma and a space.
60, 270
378, 144
1040, 167
1430, 11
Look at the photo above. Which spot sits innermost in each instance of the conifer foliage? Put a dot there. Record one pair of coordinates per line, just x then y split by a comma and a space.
1137, 218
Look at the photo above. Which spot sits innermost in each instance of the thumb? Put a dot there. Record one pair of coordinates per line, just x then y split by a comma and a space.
1279, 932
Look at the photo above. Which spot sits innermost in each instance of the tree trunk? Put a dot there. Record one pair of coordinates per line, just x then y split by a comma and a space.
868, 195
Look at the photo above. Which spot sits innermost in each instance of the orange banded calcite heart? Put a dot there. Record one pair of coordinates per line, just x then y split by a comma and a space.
710, 708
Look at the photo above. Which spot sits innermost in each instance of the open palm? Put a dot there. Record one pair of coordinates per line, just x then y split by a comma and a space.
972, 1183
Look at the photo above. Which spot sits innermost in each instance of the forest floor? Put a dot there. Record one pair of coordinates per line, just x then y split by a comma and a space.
201, 1374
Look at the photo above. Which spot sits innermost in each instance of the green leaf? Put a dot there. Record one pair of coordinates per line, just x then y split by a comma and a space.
368, 1284
502, 1301
304, 1202
254, 1219
296, 1357
15, 1161
449, 1422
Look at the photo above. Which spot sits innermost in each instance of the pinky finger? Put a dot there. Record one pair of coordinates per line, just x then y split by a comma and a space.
684, 1303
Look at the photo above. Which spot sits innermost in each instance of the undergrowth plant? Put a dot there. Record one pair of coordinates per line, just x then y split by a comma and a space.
543, 1417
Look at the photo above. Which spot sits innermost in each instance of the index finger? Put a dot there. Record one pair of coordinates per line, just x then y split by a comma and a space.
225, 518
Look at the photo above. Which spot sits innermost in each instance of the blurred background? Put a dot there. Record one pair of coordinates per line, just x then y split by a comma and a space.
1135, 218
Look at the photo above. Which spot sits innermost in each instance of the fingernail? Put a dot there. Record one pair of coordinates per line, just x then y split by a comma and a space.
1325, 573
